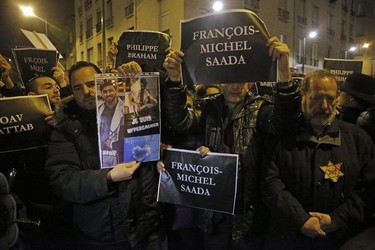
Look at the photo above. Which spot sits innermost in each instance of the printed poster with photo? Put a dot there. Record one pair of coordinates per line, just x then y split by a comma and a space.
32, 62
208, 182
128, 118
22, 122
226, 47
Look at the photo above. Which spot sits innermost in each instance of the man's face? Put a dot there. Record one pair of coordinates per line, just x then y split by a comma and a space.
83, 87
234, 93
320, 101
46, 85
109, 94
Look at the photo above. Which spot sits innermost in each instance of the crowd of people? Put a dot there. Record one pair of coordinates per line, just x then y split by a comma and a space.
306, 162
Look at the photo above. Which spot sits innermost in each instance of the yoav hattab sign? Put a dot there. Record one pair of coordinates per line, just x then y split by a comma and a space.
341, 68
32, 62
226, 47
22, 122
147, 48
208, 182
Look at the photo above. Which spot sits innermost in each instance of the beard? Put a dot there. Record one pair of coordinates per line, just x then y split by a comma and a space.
320, 118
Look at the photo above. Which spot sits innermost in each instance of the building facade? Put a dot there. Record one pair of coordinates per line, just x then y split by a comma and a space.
98, 23
365, 36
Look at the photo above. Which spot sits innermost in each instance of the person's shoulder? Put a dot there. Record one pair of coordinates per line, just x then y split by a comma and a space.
347, 126
353, 130
256, 101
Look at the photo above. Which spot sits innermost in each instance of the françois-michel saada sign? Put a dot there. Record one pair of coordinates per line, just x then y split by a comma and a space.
226, 47
208, 182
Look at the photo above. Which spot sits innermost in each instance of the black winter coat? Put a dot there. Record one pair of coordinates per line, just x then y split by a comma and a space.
102, 212
295, 183
220, 135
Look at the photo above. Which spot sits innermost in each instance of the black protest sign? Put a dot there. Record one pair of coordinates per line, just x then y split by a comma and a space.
226, 47
147, 48
22, 124
341, 68
209, 182
32, 62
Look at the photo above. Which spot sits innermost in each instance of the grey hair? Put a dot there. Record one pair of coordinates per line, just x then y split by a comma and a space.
320, 73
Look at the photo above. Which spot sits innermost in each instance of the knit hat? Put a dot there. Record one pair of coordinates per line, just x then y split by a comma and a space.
360, 86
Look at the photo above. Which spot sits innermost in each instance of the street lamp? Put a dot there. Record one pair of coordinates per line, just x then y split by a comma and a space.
217, 6
365, 48
312, 34
29, 12
351, 49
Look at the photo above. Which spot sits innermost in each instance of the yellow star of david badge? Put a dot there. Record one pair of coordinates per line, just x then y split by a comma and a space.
332, 171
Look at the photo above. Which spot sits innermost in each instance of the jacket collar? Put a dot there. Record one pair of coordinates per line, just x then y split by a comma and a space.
68, 112
331, 135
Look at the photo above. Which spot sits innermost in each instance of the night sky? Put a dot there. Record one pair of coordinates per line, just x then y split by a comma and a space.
59, 15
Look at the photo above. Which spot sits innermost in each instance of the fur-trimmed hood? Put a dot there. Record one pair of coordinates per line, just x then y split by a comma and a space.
68, 109
61, 106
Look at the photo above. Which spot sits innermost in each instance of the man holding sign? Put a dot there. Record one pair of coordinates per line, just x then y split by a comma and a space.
105, 201
227, 125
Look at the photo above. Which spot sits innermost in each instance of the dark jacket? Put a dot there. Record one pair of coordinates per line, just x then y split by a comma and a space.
102, 212
366, 120
210, 122
295, 184
221, 133
15, 91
